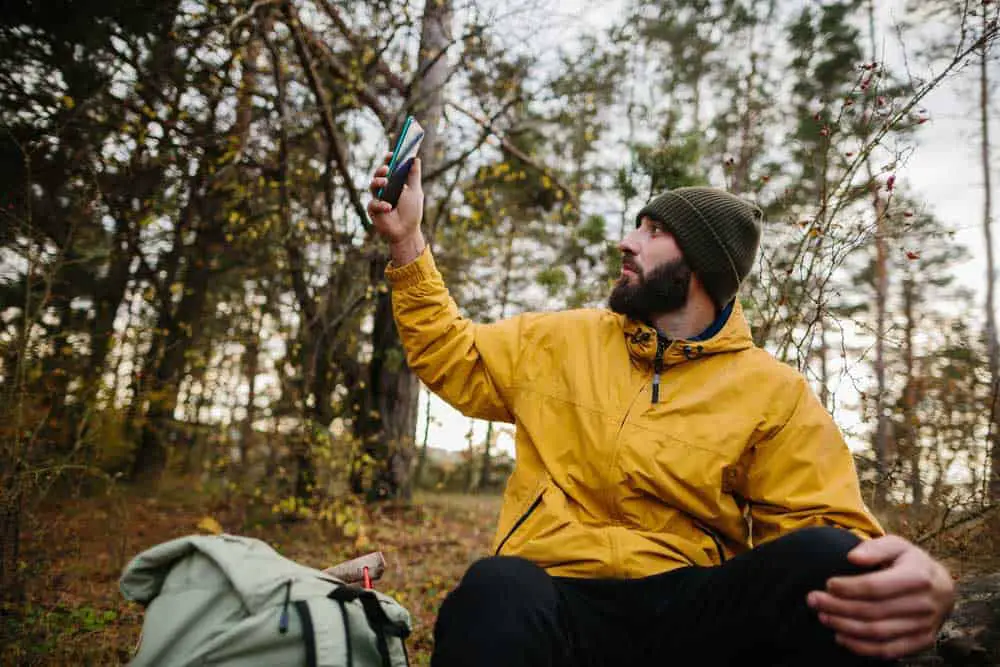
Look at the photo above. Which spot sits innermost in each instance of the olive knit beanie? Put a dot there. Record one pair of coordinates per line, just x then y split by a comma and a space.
718, 232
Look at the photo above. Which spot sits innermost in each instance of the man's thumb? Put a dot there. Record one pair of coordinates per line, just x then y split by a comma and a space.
413, 180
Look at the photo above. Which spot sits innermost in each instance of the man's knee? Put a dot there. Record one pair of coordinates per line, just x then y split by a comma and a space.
504, 577
502, 582
822, 549
827, 539
504, 612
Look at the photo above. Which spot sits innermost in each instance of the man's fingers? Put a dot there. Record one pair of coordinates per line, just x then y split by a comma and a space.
890, 650
880, 585
884, 630
378, 207
879, 551
387, 158
908, 605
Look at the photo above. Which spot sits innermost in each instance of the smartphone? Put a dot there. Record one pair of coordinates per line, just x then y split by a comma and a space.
403, 155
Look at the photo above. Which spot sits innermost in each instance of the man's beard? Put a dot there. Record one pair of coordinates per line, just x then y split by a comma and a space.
663, 290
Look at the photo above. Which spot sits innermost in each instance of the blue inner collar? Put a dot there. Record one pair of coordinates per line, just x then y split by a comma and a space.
716, 326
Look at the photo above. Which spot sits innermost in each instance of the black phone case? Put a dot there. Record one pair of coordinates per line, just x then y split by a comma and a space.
397, 180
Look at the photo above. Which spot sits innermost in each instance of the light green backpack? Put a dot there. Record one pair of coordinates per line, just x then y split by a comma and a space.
227, 600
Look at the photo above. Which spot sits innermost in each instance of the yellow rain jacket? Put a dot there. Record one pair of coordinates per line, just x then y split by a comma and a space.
735, 450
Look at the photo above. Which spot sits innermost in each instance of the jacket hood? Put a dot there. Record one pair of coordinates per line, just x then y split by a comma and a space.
732, 337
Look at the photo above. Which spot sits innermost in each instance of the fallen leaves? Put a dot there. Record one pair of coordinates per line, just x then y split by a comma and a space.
210, 525
75, 562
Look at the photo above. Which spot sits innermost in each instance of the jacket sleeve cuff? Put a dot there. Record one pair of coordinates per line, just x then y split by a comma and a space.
406, 276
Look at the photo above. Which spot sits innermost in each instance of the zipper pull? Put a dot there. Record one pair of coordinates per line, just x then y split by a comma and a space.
283, 620
661, 345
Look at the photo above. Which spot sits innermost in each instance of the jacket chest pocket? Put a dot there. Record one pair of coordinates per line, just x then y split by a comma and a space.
520, 512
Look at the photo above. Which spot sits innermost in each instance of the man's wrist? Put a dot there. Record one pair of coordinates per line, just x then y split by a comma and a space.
406, 250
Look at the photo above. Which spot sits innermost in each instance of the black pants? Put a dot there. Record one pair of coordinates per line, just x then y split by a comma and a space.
749, 611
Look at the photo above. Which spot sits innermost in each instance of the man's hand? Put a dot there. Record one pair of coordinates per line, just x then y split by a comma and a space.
399, 226
891, 612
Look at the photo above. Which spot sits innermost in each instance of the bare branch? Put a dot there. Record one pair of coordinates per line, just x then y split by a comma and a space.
295, 262
343, 72
248, 15
394, 80
957, 523
509, 147
431, 177
332, 135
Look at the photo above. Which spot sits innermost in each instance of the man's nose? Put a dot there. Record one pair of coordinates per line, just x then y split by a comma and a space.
628, 245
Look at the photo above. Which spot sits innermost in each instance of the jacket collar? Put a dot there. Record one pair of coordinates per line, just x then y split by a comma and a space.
730, 333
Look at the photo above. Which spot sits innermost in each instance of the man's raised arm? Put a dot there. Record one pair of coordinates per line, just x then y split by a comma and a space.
470, 366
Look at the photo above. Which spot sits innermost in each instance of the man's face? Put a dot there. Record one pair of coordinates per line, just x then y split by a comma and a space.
655, 278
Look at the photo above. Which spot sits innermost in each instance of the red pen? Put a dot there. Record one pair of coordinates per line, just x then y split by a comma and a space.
367, 578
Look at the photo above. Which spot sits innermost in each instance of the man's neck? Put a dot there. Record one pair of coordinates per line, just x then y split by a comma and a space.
688, 322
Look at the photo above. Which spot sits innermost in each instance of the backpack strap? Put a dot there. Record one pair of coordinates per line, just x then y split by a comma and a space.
332, 648
378, 620
308, 631
347, 632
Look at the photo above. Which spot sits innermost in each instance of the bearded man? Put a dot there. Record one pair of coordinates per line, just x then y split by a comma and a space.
679, 495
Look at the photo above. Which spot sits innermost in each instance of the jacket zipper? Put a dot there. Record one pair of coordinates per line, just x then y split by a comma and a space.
517, 524
661, 345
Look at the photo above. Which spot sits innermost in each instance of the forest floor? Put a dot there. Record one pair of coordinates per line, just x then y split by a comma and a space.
74, 550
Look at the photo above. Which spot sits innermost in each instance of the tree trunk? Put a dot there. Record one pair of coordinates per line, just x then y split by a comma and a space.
251, 364
305, 475
881, 443
422, 459
110, 295
881, 418
824, 364
741, 171
484, 474
427, 98
389, 418
169, 268
181, 334
910, 443
387, 425
58, 369
108, 298
247, 90
991, 326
